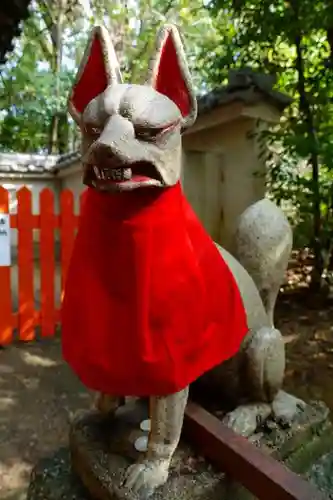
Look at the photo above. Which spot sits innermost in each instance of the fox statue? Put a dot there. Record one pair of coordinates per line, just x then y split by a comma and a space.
152, 305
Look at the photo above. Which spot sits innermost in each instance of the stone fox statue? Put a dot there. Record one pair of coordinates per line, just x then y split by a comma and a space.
151, 304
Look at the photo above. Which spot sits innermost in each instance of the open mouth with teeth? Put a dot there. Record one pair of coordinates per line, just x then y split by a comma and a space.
122, 177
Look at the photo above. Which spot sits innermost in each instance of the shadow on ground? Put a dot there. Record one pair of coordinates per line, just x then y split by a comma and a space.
38, 394
306, 322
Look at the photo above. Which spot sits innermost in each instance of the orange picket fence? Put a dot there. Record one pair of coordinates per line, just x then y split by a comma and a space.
20, 321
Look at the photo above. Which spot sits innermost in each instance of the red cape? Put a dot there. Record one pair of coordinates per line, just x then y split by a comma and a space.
149, 303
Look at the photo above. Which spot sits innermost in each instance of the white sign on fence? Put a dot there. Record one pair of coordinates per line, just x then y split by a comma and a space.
4, 240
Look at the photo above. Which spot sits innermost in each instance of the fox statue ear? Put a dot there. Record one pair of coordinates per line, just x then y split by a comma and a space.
169, 73
99, 68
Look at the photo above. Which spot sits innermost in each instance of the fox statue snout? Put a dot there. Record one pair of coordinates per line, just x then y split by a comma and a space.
132, 133
128, 150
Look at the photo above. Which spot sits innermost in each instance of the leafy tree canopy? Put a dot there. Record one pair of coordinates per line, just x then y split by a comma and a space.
291, 39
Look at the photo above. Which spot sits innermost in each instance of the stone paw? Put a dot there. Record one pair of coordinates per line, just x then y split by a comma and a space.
144, 477
286, 407
245, 418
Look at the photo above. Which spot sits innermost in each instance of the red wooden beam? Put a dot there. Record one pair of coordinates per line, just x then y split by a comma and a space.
231, 453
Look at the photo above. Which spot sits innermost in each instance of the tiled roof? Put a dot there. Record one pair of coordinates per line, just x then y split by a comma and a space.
17, 163
246, 86
67, 159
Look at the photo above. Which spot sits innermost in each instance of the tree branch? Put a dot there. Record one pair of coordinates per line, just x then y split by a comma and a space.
46, 48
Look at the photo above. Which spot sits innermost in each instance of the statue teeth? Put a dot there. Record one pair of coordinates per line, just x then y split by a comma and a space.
97, 172
116, 174
113, 174
119, 174
127, 172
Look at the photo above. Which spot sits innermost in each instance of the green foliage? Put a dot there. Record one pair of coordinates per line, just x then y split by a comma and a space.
293, 41
36, 81
34, 84
28, 111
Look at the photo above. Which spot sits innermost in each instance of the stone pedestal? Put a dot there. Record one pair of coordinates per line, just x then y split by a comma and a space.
299, 447
101, 450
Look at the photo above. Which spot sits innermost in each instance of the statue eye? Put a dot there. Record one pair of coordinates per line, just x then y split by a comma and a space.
147, 134
151, 134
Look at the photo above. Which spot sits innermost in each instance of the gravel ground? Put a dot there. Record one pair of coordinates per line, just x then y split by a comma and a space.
38, 393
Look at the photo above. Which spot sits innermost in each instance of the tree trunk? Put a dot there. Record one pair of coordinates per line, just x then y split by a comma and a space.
63, 133
56, 35
307, 114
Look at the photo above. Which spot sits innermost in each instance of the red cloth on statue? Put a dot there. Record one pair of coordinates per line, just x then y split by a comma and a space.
149, 304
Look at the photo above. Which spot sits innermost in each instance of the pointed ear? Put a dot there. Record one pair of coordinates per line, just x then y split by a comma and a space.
169, 73
99, 68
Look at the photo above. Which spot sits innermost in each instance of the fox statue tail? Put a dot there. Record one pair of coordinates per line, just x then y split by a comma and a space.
262, 244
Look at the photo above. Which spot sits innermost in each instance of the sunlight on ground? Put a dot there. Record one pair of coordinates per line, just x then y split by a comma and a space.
290, 338
30, 382
323, 335
35, 360
6, 403
6, 369
14, 474
39, 395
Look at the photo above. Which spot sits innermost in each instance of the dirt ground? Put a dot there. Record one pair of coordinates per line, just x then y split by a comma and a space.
306, 321
38, 392
308, 330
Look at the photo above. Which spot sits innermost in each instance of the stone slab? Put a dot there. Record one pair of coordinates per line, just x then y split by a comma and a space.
310, 430
299, 446
102, 448
321, 474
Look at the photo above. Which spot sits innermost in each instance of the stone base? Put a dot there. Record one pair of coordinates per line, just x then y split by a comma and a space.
299, 446
321, 474
101, 450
